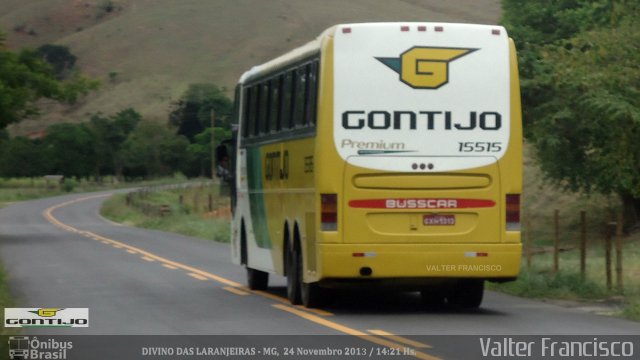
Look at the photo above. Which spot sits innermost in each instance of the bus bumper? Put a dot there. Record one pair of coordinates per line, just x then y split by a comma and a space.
380, 261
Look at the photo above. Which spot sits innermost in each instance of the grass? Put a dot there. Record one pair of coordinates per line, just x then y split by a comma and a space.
632, 311
540, 282
22, 189
6, 301
189, 218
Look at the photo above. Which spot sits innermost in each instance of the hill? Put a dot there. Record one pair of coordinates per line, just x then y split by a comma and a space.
146, 52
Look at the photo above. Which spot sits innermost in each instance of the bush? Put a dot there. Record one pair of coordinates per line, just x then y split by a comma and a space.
68, 185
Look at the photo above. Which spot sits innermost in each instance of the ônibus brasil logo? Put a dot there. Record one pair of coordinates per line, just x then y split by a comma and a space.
46, 317
425, 67
34, 348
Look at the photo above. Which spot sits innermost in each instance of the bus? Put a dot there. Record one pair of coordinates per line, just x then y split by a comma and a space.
382, 155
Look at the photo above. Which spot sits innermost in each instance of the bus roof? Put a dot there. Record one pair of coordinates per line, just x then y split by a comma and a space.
314, 46
292, 56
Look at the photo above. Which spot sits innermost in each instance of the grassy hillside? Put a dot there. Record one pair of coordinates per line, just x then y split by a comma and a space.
146, 52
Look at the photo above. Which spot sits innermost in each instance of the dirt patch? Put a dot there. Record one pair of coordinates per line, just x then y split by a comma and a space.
608, 307
220, 213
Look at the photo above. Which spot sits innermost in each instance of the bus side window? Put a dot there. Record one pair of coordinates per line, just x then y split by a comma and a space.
245, 113
312, 92
291, 97
264, 108
300, 96
274, 105
255, 108
250, 125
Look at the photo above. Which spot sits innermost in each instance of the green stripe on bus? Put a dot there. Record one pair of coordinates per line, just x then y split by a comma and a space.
256, 198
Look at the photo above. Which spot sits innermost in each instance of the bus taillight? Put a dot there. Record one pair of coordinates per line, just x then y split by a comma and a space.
513, 212
329, 212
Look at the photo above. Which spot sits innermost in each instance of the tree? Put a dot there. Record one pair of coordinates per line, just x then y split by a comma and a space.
69, 149
581, 93
59, 57
192, 113
110, 134
153, 149
25, 78
535, 25
21, 157
200, 151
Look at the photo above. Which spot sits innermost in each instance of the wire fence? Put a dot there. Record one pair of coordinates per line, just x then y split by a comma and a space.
194, 197
594, 246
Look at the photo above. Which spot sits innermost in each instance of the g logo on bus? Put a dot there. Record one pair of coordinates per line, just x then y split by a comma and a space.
425, 67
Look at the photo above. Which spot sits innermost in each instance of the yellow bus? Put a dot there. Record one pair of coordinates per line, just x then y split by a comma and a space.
382, 154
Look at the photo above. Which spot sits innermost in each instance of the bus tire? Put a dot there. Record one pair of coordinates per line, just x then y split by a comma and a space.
434, 296
468, 293
313, 295
294, 276
243, 244
256, 279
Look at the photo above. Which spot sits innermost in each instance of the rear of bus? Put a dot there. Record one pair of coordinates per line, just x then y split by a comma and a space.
418, 159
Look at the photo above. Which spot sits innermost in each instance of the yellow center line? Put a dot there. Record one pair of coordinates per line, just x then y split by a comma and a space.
48, 215
284, 300
203, 275
198, 276
235, 290
315, 311
349, 331
400, 339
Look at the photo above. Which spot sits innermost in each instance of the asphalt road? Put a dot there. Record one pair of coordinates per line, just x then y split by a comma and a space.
59, 252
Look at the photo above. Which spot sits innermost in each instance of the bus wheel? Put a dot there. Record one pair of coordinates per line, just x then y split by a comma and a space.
294, 276
312, 295
256, 279
468, 293
433, 296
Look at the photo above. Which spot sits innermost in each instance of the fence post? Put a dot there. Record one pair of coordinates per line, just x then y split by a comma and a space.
583, 244
619, 234
556, 241
210, 202
529, 245
607, 253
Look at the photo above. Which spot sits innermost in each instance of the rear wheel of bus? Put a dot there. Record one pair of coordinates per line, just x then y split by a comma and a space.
433, 296
308, 294
294, 273
467, 294
256, 279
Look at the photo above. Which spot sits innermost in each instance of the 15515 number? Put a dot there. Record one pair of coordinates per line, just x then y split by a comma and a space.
479, 146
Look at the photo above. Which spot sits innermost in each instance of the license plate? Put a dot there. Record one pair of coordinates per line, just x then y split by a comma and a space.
438, 220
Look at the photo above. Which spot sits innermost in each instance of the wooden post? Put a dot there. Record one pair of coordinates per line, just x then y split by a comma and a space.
607, 254
181, 199
619, 235
210, 202
583, 244
556, 241
213, 145
529, 245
